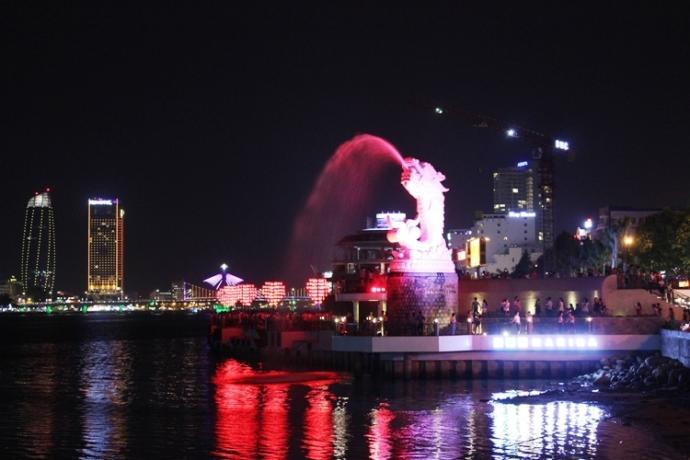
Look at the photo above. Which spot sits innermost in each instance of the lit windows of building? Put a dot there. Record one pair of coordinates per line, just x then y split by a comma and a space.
514, 189
105, 253
38, 247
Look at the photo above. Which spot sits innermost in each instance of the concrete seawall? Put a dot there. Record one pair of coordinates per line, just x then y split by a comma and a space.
676, 345
460, 357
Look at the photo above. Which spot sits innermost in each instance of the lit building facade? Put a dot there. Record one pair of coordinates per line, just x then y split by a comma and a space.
11, 287
105, 248
514, 189
504, 237
38, 247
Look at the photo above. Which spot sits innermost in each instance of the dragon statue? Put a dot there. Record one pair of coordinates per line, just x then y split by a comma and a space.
421, 238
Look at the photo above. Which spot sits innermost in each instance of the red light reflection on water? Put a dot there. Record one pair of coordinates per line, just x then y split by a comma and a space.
252, 412
318, 422
379, 435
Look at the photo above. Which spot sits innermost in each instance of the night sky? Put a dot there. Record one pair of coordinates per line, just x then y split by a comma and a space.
211, 125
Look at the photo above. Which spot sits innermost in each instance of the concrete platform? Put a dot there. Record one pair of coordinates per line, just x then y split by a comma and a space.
531, 347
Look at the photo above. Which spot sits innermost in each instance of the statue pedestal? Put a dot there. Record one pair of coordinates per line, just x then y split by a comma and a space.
434, 294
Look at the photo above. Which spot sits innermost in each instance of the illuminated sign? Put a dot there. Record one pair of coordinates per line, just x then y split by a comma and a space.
522, 164
522, 214
395, 217
461, 255
561, 145
683, 283
545, 342
99, 202
475, 252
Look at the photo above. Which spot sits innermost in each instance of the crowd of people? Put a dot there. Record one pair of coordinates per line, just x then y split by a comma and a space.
283, 320
550, 315
563, 315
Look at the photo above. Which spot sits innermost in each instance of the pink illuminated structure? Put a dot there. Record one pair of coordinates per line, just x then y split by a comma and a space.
243, 294
228, 296
423, 248
318, 289
274, 292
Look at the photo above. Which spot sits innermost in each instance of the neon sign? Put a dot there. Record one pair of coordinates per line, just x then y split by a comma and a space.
98, 202
522, 214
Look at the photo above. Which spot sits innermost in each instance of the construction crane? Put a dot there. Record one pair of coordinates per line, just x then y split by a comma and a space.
544, 148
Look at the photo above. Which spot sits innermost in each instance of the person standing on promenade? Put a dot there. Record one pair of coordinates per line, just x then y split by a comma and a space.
516, 321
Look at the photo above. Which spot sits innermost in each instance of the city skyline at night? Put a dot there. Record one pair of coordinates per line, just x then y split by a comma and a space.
373, 230
220, 133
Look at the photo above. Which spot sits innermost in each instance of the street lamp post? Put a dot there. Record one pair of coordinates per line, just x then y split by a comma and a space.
628, 241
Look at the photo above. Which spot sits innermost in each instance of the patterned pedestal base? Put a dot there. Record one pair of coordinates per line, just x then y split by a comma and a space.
435, 295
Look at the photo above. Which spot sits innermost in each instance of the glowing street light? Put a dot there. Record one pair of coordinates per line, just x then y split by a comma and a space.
511, 132
438, 110
588, 224
628, 241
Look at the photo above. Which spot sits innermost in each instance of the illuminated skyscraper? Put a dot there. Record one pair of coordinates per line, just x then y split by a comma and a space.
106, 248
514, 189
38, 247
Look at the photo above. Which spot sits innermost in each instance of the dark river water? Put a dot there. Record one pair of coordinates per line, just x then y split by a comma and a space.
144, 386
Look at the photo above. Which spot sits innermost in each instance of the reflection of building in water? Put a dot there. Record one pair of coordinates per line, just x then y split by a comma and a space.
252, 418
340, 433
318, 423
379, 435
545, 430
104, 378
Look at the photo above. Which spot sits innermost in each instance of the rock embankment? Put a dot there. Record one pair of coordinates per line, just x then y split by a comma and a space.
634, 373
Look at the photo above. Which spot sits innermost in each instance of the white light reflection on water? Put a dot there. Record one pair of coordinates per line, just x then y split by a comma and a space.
340, 422
554, 429
104, 373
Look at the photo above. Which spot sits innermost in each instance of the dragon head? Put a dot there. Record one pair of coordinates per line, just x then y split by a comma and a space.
421, 179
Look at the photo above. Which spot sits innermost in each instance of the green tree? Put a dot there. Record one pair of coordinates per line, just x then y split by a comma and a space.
662, 242
567, 252
580, 256
594, 255
523, 267
681, 245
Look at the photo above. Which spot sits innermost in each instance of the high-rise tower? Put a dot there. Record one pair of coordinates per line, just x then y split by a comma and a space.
514, 189
105, 248
38, 247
